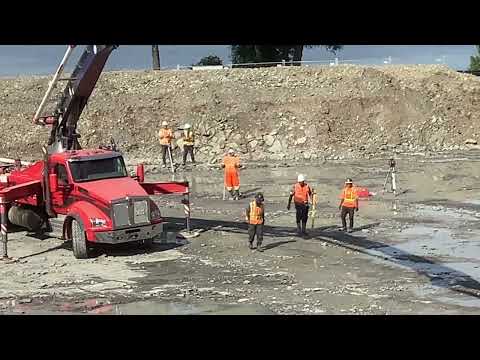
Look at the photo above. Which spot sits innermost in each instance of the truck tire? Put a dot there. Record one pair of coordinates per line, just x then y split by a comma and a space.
25, 217
79, 240
148, 243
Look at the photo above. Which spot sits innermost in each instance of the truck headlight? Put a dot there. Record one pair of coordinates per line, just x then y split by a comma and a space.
96, 222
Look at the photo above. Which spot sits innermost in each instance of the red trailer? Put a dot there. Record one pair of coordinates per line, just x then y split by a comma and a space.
86, 196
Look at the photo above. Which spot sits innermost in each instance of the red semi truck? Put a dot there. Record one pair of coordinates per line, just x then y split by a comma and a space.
86, 196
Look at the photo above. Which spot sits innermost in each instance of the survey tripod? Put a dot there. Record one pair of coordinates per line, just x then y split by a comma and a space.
391, 176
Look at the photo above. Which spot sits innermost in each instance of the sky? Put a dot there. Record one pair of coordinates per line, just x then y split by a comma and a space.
17, 60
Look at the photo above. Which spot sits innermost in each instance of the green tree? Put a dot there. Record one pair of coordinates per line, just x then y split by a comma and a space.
210, 60
475, 61
241, 54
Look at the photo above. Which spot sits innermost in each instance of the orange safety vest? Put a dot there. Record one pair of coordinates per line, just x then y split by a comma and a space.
349, 197
301, 193
188, 138
166, 136
256, 213
231, 163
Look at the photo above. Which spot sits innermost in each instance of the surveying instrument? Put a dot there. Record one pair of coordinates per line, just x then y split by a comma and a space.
391, 176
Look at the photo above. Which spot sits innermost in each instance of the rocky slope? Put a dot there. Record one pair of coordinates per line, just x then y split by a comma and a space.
266, 114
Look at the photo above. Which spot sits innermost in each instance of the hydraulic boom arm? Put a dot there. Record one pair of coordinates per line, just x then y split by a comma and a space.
79, 87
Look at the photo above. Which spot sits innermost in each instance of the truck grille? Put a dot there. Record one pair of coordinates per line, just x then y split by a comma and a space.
140, 212
130, 212
120, 214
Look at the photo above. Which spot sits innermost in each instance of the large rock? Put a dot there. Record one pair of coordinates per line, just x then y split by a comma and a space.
269, 140
301, 141
276, 147
253, 144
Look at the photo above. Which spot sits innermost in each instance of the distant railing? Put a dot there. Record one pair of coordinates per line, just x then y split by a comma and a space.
327, 62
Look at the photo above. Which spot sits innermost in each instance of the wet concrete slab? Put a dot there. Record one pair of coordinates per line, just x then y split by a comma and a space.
415, 253
143, 308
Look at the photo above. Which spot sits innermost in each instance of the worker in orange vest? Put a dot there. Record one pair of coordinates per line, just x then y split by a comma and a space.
348, 205
255, 217
165, 136
302, 195
231, 163
188, 143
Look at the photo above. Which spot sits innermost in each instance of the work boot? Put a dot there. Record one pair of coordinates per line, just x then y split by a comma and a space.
304, 229
299, 229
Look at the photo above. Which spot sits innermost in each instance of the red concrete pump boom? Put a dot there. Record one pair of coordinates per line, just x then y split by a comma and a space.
75, 95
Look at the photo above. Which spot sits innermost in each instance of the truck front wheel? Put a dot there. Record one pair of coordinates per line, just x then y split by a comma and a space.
148, 243
79, 240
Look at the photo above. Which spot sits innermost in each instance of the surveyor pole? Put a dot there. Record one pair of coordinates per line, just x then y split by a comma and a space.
313, 213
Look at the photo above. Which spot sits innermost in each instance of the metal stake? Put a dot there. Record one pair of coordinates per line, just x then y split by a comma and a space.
171, 159
186, 208
3, 221
386, 180
394, 183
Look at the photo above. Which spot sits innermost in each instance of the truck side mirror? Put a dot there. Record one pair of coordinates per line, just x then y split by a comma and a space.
53, 180
140, 173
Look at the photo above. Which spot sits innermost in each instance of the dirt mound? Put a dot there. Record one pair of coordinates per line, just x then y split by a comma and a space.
274, 113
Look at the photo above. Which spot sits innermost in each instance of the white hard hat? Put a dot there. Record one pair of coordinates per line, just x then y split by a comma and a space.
231, 151
164, 123
300, 178
186, 126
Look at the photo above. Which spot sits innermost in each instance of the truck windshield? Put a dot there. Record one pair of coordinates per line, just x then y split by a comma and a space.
89, 170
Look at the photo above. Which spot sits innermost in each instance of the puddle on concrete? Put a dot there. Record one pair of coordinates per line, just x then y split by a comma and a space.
421, 251
447, 296
439, 242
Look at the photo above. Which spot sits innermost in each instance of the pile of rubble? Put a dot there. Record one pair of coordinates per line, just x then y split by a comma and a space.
266, 114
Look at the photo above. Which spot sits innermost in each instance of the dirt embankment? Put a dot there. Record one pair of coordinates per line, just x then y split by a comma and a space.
266, 114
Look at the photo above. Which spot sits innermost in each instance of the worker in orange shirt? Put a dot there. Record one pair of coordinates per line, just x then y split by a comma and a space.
302, 195
348, 205
255, 217
165, 136
231, 164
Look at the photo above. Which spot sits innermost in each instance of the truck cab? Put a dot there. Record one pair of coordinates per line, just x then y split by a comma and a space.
96, 200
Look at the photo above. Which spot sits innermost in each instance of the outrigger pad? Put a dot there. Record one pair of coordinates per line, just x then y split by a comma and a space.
188, 234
